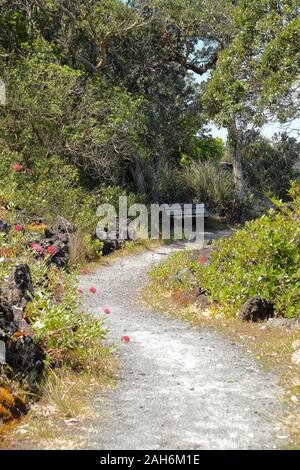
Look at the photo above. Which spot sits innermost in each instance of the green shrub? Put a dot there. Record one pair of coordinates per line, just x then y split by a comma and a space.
166, 273
111, 195
63, 331
261, 259
60, 328
207, 148
46, 187
268, 165
93, 247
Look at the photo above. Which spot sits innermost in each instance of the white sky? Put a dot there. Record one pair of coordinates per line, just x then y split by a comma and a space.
267, 130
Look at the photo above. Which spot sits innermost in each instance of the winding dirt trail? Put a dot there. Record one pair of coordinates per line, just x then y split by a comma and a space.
179, 387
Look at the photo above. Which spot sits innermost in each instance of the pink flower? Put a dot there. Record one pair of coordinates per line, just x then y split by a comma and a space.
84, 271
51, 249
58, 289
17, 167
93, 290
125, 339
202, 259
106, 311
80, 290
37, 247
19, 228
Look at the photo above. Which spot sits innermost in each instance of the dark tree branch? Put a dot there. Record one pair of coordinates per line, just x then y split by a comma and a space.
184, 62
198, 69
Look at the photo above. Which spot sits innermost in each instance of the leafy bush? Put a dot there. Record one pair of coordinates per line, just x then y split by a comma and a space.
93, 247
111, 195
54, 110
207, 148
45, 187
61, 329
261, 259
166, 273
268, 165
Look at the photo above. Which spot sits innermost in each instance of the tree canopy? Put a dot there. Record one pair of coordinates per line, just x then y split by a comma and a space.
110, 86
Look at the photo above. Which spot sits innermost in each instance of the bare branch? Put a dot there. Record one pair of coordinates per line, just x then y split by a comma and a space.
198, 69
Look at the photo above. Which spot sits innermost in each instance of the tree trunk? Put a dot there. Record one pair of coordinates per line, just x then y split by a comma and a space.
138, 177
234, 141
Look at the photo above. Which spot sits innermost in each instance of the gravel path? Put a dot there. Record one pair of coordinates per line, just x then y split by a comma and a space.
179, 387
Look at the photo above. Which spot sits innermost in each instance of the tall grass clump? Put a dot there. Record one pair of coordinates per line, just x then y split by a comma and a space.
206, 182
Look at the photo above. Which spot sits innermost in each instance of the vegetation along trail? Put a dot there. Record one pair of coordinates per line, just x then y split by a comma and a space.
178, 387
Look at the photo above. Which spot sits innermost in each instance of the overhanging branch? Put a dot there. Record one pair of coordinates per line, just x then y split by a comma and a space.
198, 69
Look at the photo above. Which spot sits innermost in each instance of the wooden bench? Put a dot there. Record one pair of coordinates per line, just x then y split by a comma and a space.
184, 210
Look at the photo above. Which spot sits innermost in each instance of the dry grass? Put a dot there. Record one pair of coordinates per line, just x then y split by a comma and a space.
63, 392
77, 248
272, 346
66, 406
130, 249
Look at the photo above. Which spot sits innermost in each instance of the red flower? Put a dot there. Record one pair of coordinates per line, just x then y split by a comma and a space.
51, 249
202, 259
17, 167
106, 311
80, 290
84, 271
93, 290
37, 247
125, 339
58, 291
19, 228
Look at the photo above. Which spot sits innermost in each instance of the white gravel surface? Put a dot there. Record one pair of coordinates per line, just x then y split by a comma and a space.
178, 387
